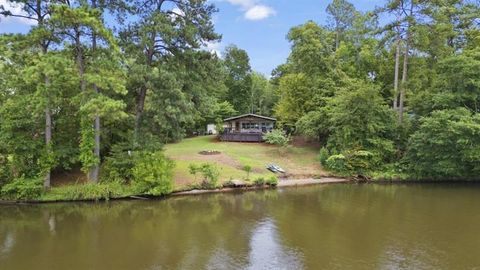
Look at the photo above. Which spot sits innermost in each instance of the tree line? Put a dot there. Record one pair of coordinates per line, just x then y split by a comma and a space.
392, 92
95, 79
101, 85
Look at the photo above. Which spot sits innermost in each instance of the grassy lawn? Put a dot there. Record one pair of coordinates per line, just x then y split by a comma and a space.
299, 162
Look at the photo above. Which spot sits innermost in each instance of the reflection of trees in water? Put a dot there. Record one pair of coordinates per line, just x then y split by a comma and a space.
178, 232
338, 226
379, 226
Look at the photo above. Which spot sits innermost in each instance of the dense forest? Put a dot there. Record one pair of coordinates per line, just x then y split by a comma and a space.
101, 85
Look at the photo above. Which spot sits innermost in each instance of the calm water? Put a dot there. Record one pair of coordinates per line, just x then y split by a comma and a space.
321, 227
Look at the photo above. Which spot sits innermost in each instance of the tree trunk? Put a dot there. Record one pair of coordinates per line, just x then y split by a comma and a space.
139, 112
397, 66
48, 135
143, 89
95, 170
337, 40
48, 113
404, 82
79, 60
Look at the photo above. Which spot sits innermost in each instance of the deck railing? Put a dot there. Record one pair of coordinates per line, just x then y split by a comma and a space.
242, 137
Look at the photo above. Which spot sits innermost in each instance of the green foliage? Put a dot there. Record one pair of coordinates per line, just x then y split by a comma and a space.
22, 189
359, 119
323, 155
219, 127
269, 181
87, 143
193, 169
239, 79
259, 181
209, 173
336, 163
445, 145
358, 162
272, 181
88, 191
248, 170
118, 167
277, 137
152, 174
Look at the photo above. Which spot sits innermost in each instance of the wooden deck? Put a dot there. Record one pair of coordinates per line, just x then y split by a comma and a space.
242, 137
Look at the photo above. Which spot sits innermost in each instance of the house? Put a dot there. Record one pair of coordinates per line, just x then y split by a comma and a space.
247, 128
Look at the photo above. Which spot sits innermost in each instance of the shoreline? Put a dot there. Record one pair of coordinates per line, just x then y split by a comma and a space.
285, 183
281, 184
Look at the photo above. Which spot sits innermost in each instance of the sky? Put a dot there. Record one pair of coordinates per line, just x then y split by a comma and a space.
257, 26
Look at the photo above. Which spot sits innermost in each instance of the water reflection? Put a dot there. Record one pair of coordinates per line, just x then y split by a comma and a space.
266, 252
327, 227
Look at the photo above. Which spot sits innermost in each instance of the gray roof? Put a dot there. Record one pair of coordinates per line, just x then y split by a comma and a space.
250, 115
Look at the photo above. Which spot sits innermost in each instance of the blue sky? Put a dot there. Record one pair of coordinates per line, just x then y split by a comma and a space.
265, 38
257, 26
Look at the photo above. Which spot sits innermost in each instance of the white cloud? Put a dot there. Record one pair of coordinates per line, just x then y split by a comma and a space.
259, 12
253, 10
214, 47
15, 9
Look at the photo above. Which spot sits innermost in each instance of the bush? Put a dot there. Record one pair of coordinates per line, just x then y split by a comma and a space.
119, 165
336, 163
152, 174
87, 191
260, 181
23, 189
277, 137
5, 171
248, 170
445, 145
323, 156
272, 181
358, 162
209, 172
210, 175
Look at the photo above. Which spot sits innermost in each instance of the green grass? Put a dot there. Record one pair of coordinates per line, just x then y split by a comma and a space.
297, 161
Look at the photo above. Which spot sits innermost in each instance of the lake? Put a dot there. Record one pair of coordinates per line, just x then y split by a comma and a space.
343, 226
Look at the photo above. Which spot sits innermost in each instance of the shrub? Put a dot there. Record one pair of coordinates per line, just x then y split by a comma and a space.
248, 170
23, 189
210, 175
323, 156
272, 181
87, 191
336, 163
219, 126
446, 145
119, 165
5, 172
193, 170
152, 174
277, 137
358, 162
260, 181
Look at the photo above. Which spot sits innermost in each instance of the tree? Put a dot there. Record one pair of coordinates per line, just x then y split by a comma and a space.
166, 29
359, 119
38, 11
97, 69
446, 145
263, 96
342, 14
239, 79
